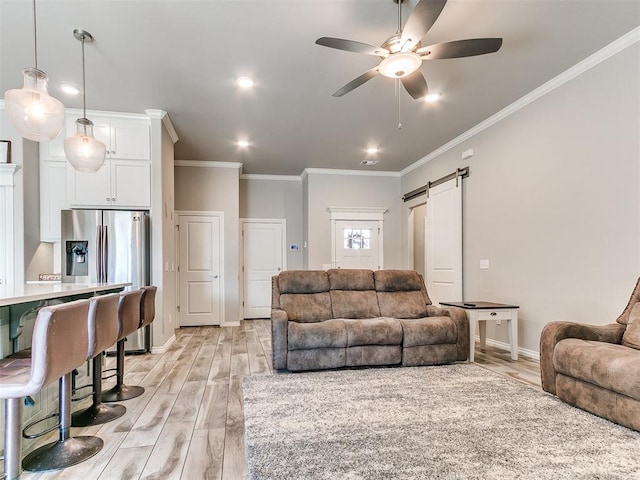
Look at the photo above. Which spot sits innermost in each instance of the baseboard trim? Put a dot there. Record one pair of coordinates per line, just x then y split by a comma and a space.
525, 352
165, 347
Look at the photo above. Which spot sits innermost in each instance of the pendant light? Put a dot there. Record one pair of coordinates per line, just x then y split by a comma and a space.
31, 110
83, 151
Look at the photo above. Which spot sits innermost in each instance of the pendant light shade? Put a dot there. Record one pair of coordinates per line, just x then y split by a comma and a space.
83, 151
33, 112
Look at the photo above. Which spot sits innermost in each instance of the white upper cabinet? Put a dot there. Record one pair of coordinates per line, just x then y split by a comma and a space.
53, 186
124, 181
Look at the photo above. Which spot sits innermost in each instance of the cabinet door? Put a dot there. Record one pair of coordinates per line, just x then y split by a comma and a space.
131, 183
53, 198
90, 189
130, 140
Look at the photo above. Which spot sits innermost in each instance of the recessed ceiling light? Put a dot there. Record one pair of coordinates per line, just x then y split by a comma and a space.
242, 143
368, 162
245, 82
372, 150
69, 89
432, 97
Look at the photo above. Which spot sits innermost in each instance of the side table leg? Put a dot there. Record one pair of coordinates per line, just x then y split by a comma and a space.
472, 334
482, 326
513, 335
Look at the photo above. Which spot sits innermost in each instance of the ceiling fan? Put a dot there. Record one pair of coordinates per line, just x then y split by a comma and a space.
402, 54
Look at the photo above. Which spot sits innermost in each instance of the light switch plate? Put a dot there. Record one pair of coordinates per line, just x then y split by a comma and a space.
484, 264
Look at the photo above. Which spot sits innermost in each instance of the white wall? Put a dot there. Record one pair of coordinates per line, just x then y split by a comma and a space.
276, 197
552, 201
343, 189
209, 186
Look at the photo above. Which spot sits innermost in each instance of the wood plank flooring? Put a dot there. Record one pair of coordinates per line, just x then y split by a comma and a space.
189, 422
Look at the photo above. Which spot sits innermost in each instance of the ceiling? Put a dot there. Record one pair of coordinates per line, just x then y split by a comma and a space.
183, 56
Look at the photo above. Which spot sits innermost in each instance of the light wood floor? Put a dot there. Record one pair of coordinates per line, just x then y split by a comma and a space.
189, 422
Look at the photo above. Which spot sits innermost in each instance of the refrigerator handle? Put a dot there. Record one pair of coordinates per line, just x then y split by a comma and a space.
99, 254
105, 254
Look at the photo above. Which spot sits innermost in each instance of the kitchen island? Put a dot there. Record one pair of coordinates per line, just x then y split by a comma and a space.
19, 307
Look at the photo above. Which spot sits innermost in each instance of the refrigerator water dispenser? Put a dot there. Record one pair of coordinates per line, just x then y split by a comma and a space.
77, 264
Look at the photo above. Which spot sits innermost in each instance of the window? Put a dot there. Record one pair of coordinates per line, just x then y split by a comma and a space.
355, 238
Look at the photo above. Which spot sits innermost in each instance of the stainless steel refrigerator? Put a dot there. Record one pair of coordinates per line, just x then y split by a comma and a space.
108, 246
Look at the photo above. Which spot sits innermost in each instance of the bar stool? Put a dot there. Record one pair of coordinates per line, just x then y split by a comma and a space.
103, 332
59, 345
129, 308
148, 312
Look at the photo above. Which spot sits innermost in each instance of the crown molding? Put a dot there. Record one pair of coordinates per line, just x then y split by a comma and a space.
255, 176
205, 164
166, 121
588, 63
337, 171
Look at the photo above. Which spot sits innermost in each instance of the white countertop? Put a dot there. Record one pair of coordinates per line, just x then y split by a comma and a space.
41, 291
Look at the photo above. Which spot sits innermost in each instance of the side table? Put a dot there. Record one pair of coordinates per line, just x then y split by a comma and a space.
480, 313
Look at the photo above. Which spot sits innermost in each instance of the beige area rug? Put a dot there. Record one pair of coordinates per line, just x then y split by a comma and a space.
447, 422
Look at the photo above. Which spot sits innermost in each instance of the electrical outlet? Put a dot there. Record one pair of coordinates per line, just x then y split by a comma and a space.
498, 322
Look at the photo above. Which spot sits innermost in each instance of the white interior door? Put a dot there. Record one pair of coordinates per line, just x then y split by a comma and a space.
444, 242
200, 270
357, 244
264, 248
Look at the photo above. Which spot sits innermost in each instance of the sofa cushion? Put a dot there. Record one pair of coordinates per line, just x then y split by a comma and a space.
635, 298
327, 334
428, 331
402, 304
397, 280
631, 337
607, 365
373, 331
354, 304
303, 281
306, 307
350, 279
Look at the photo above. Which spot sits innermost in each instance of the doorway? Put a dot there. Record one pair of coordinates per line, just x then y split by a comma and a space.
264, 253
200, 268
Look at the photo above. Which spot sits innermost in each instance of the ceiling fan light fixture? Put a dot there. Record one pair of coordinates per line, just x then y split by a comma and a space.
399, 65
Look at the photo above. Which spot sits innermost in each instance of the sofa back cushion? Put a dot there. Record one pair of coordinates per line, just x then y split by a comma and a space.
304, 295
401, 293
631, 337
353, 293
635, 298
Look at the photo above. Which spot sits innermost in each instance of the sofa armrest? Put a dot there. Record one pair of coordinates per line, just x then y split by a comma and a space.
279, 329
553, 332
459, 316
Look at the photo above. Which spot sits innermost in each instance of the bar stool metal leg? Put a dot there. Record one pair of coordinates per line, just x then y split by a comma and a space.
12, 426
98, 413
67, 451
121, 391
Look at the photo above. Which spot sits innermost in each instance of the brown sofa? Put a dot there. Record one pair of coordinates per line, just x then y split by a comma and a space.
596, 367
346, 318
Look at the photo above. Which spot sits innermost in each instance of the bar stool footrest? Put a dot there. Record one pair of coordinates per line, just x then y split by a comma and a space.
62, 454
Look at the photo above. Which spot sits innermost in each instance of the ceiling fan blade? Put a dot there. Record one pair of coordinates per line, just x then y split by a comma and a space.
420, 21
352, 46
415, 85
460, 48
356, 82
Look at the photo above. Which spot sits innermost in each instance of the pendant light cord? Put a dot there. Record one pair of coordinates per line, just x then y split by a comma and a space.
35, 36
84, 83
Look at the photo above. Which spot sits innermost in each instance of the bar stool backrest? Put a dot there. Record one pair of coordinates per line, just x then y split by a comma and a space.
148, 305
129, 313
59, 342
103, 323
